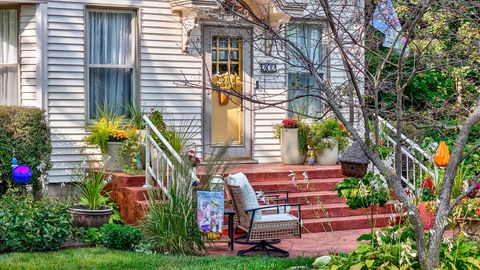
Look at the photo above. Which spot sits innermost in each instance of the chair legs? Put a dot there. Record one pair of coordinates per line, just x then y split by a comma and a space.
264, 248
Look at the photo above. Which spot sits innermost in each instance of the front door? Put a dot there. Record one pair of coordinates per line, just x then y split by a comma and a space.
228, 66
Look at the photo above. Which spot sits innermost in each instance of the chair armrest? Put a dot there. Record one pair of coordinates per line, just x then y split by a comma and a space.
276, 194
273, 206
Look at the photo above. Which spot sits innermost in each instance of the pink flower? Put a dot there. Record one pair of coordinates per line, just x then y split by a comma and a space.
192, 151
289, 123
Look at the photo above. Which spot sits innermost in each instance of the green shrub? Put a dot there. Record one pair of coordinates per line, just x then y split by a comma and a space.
120, 237
25, 135
32, 225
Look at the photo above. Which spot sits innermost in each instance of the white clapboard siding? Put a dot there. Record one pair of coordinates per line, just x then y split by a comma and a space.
28, 56
162, 66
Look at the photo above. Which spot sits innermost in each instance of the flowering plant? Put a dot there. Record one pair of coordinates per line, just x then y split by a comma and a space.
428, 190
468, 208
475, 191
290, 123
192, 157
227, 81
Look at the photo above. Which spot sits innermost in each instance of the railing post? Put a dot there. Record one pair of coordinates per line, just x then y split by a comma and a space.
147, 156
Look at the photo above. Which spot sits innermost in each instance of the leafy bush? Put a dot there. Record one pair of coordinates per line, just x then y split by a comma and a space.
363, 192
328, 128
25, 135
29, 225
120, 237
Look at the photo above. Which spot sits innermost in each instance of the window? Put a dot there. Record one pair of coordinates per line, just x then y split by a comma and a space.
8, 57
307, 37
110, 61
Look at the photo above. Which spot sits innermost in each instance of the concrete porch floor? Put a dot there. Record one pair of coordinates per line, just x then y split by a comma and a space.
310, 245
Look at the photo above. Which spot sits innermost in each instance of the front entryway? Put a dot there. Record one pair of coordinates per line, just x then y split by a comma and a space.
227, 66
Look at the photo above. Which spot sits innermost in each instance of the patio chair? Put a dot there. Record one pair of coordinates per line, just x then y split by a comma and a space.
262, 223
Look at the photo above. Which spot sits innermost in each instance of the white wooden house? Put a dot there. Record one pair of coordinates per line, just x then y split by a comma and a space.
67, 56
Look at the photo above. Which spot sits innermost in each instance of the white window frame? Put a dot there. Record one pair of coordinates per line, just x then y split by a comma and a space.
17, 64
133, 61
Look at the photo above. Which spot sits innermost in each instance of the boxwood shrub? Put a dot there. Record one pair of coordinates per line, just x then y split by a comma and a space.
120, 237
27, 224
25, 135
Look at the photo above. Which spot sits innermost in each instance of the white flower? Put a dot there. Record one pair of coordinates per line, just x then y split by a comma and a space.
28, 187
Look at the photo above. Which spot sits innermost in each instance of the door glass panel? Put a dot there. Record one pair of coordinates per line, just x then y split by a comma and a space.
227, 73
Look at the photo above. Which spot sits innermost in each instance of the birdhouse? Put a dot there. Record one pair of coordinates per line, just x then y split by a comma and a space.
354, 161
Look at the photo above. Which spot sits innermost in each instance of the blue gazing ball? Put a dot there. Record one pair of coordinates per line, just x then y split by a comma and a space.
21, 174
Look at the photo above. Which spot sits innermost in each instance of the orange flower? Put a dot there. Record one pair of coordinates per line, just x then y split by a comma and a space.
119, 135
478, 212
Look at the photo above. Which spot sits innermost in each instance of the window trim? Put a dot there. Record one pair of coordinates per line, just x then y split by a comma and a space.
18, 97
135, 56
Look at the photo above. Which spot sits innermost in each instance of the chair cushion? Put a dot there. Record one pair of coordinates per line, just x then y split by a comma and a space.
278, 217
249, 195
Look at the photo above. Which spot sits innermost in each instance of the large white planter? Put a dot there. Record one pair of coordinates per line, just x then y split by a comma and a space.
328, 156
115, 162
289, 147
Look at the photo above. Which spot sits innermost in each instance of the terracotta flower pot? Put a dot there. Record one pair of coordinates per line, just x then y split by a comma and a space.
289, 147
86, 218
427, 216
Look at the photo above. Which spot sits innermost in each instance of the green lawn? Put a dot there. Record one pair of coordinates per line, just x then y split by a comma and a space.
100, 258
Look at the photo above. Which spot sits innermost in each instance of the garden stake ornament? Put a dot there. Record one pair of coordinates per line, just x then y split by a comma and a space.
21, 174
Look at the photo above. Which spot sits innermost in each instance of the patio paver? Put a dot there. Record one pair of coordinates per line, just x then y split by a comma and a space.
310, 245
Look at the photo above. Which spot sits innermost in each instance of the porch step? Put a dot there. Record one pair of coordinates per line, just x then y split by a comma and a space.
334, 210
327, 184
314, 197
346, 223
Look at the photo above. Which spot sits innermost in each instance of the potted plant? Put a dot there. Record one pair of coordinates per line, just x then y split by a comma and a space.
326, 139
92, 210
293, 140
108, 133
426, 206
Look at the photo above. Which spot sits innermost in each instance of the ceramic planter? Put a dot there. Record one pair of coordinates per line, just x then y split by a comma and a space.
289, 147
86, 218
328, 156
115, 163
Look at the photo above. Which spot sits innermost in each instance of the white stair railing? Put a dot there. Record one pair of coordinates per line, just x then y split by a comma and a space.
416, 162
160, 163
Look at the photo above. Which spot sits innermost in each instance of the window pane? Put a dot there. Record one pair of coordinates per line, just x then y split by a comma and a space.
223, 56
301, 84
234, 55
111, 87
110, 38
8, 57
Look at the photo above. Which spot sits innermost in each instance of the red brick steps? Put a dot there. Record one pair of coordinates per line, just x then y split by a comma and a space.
345, 223
322, 211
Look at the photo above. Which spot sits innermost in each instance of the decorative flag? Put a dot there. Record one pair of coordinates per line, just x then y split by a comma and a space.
210, 208
385, 20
